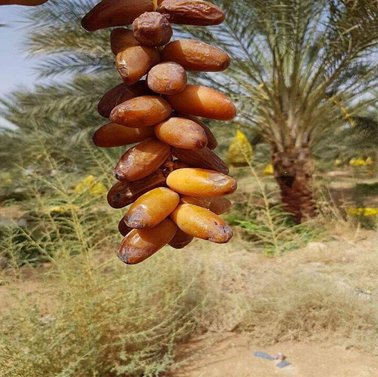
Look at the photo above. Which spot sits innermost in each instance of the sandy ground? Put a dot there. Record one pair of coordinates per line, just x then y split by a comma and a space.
233, 356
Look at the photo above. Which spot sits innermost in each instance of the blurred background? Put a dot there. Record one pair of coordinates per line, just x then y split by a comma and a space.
298, 277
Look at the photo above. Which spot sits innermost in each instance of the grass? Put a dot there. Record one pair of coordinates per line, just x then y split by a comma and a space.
263, 223
78, 311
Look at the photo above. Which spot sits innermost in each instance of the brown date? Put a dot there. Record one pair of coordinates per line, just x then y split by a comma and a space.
181, 133
121, 39
140, 244
119, 94
152, 29
115, 135
191, 12
142, 160
204, 102
123, 228
143, 111
135, 61
201, 158
124, 193
195, 55
109, 13
181, 240
167, 78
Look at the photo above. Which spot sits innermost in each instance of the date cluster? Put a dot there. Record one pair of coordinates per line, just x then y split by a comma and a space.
170, 179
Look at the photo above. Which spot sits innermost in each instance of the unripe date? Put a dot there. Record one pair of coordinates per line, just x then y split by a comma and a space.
204, 102
181, 133
201, 158
115, 135
141, 111
152, 29
151, 208
200, 182
191, 12
201, 223
109, 13
142, 160
120, 94
167, 78
195, 55
140, 244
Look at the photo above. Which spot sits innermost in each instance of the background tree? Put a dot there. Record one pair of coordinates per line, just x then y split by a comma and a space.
298, 65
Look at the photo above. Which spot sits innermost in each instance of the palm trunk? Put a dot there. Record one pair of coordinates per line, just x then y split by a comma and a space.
293, 172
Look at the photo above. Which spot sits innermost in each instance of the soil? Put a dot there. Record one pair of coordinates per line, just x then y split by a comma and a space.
232, 355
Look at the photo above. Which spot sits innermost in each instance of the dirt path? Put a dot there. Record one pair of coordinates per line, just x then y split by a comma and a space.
233, 356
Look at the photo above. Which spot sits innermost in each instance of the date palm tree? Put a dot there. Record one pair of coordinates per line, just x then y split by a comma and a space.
299, 66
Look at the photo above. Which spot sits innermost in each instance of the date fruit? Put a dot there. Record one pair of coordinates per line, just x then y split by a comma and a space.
167, 78
140, 244
181, 133
142, 160
123, 228
201, 223
204, 102
181, 240
200, 182
143, 111
152, 208
115, 135
195, 55
152, 29
124, 193
109, 13
119, 94
201, 158
135, 61
191, 12
121, 39
218, 205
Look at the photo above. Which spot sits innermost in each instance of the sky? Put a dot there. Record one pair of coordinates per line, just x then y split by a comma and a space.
16, 69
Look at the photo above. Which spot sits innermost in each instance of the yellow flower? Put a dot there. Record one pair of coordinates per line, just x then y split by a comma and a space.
98, 189
240, 151
357, 162
366, 212
338, 162
64, 208
269, 170
89, 184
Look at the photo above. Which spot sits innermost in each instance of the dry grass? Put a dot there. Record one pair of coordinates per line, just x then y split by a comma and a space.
89, 315
86, 314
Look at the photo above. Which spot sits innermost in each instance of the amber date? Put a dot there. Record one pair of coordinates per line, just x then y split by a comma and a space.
195, 55
141, 111
142, 160
201, 223
140, 244
204, 102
